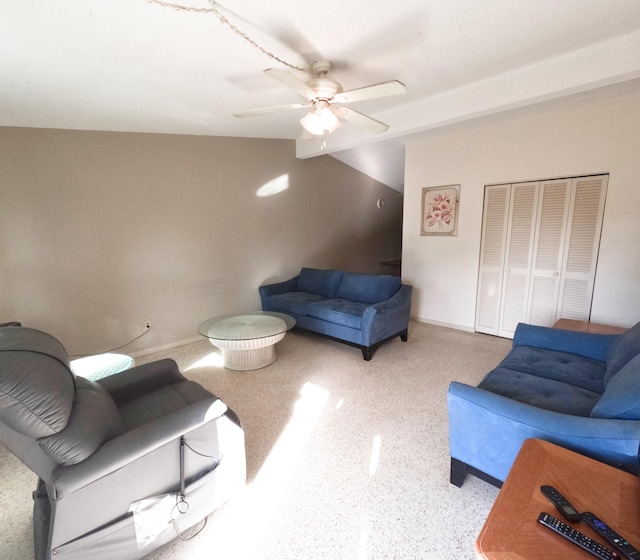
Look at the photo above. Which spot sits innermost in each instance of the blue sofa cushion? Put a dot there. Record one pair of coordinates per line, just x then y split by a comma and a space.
291, 302
620, 398
540, 392
622, 351
367, 288
319, 282
339, 311
559, 366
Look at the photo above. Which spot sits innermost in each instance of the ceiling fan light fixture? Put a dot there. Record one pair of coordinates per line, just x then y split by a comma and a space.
311, 123
320, 120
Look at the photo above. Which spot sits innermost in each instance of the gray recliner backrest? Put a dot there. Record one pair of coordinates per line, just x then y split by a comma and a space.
47, 416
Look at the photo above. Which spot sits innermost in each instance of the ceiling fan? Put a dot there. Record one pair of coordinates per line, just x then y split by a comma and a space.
322, 93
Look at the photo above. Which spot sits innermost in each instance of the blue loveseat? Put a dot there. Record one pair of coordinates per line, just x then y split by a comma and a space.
575, 389
362, 310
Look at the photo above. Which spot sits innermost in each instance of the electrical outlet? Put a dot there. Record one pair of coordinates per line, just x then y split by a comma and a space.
147, 324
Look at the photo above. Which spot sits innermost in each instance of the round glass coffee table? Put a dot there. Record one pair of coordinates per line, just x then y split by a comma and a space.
247, 340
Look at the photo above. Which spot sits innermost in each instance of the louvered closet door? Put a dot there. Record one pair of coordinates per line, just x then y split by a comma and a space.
540, 243
492, 251
551, 226
582, 246
519, 250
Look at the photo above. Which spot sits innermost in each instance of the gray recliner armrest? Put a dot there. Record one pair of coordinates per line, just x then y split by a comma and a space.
125, 449
133, 383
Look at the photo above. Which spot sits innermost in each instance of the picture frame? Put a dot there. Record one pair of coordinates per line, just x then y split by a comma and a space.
440, 210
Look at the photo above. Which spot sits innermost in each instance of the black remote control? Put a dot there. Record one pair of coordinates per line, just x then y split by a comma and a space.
610, 535
561, 503
578, 538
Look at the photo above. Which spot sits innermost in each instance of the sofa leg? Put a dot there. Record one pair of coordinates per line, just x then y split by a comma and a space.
404, 335
367, 353
458, 472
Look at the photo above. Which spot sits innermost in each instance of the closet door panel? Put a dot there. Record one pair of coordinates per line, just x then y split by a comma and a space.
520, 238
492, 251
540, 243
582, 246
551, 222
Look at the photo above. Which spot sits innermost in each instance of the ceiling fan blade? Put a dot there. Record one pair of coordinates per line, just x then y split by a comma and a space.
385, 89
266, 110
361, 120
291, 82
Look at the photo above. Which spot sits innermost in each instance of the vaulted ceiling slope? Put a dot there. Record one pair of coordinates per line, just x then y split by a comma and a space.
144, 66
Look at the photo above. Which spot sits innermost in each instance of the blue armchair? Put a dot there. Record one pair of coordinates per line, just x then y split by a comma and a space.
578, 390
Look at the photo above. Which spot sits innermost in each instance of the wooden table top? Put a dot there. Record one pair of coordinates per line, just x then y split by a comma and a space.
586, 326
511, 531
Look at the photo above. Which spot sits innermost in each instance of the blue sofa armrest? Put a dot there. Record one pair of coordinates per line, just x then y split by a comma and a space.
290, 285
486, 431
589, 345
387, 318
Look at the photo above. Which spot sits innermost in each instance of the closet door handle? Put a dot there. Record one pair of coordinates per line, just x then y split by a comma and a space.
556, 274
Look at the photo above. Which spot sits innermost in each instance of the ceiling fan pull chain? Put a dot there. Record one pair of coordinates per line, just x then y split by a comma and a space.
223, 19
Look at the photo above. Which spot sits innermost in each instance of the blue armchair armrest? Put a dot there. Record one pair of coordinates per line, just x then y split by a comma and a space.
500, 426
589, 345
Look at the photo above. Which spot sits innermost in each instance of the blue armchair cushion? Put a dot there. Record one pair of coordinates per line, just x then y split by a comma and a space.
625, 347
367, 288
620, 398
319, 282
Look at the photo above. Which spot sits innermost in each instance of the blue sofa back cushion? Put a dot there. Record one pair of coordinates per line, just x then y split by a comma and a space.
320, 282
621, 398
367, 288
623, 350
594, 346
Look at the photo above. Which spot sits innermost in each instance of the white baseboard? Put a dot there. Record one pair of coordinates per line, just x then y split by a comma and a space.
441, 324
165, 347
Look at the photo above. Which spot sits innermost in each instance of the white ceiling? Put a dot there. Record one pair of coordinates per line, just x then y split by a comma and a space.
134, 65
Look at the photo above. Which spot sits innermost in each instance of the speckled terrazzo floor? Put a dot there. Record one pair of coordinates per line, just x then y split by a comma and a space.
346, 459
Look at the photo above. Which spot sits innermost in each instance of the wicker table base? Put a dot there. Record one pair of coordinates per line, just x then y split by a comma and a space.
247, 341
244, 355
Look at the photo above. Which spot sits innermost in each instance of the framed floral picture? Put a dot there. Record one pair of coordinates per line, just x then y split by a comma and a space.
440, 210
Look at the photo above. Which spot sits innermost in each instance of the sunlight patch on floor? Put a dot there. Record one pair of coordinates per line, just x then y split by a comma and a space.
214, 359
375, 454
240, 526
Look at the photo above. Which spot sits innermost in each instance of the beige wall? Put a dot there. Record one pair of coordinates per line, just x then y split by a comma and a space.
600, 136
102, 231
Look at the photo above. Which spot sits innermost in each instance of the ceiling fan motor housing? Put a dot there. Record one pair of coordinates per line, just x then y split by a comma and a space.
324, 87
321, 67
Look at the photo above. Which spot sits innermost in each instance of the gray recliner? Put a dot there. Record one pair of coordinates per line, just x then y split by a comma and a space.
126, 464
